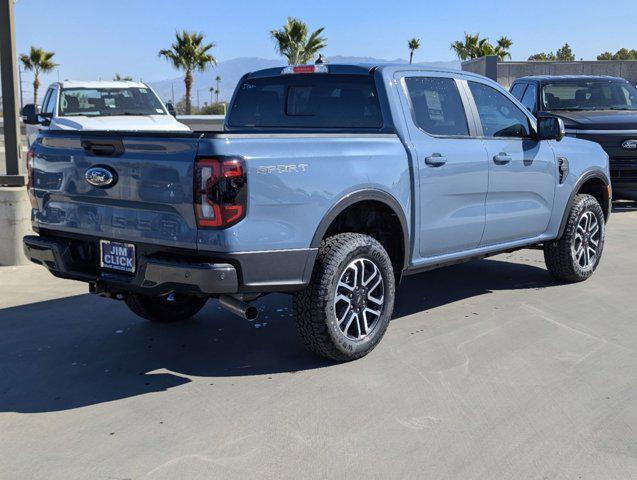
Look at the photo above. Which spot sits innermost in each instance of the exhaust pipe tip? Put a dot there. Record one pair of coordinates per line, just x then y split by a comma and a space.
239, 307
251, 313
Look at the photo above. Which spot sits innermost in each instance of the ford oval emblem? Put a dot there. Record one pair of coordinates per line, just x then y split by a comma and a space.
101, 177
629, 145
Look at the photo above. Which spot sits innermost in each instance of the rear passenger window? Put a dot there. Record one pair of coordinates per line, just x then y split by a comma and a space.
500, 117
518, 90
436, 106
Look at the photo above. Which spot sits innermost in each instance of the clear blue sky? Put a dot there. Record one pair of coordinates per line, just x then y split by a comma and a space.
94, 38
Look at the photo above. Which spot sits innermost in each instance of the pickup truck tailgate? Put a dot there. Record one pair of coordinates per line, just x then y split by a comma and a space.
149, 200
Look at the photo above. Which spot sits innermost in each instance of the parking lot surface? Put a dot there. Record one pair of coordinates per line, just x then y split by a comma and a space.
489, 370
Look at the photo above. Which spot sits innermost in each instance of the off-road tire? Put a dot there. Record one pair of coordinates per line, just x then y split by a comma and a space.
314, 306
559, 255
161, 310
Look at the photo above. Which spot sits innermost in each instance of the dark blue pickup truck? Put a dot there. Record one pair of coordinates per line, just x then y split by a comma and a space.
599, 109
330, 183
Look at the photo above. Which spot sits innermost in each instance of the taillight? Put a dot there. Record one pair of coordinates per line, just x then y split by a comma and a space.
31, 177
220, 192
30, 167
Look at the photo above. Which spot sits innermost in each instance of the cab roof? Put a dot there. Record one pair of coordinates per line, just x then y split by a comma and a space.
101, 84
567, 78
363, 69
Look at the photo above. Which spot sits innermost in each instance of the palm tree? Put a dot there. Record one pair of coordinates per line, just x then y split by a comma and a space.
502, 48
217, 95
211, 90
119, 78
475, 47
293, 43
189, 53
38, 61
218, 80
413, 44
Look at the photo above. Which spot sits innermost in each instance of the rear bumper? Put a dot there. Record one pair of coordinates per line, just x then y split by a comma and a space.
162, 271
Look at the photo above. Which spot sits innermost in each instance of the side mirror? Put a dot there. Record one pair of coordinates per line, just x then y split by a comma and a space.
171, 109
30, 114
550, 128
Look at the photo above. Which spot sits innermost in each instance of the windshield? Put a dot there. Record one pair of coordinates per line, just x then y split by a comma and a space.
589, 95
108, 102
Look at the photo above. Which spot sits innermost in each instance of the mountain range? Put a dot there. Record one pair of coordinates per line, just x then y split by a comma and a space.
231, 72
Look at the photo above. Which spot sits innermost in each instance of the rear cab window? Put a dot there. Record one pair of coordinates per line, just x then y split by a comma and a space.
326, 101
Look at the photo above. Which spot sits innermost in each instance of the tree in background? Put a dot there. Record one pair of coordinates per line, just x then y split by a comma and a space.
413, 45
293, 42
38, 61
218, 80
543, 57
475, 47
622, 54
119, 78
189, 53
217, 108
565, 54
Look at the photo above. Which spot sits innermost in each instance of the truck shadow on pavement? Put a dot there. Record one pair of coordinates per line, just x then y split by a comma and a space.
84, 350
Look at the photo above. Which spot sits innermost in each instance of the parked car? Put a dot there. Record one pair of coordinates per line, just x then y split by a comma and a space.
103, 106
330, 183
600, 109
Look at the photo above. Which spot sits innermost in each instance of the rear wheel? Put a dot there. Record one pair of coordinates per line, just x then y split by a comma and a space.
575, 256
346, 308
166, 308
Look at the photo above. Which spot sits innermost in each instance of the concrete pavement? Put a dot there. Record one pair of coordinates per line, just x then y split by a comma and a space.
489, 370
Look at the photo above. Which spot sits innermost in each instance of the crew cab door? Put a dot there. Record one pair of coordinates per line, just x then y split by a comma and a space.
452, 163
522, 170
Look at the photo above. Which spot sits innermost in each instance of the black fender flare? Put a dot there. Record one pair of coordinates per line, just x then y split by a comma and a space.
583, 179
357, 196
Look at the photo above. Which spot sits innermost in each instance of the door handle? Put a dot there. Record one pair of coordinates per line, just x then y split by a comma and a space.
502, 159
103, 147
436, 160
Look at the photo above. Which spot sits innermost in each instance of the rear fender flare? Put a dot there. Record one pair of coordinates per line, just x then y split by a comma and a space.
360, 196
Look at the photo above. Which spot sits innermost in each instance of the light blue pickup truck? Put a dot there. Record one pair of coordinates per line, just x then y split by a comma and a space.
330, 182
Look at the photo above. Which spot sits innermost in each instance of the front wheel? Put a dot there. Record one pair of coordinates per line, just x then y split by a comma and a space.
166, 308
575, 256
346, 308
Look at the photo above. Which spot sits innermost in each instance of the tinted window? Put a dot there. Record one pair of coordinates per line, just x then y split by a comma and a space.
307, 101
589, 95
437, 107
518, 90
529, 100
500, 117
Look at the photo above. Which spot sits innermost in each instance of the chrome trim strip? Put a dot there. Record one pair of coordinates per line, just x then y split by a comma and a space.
602, 132
298, 135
